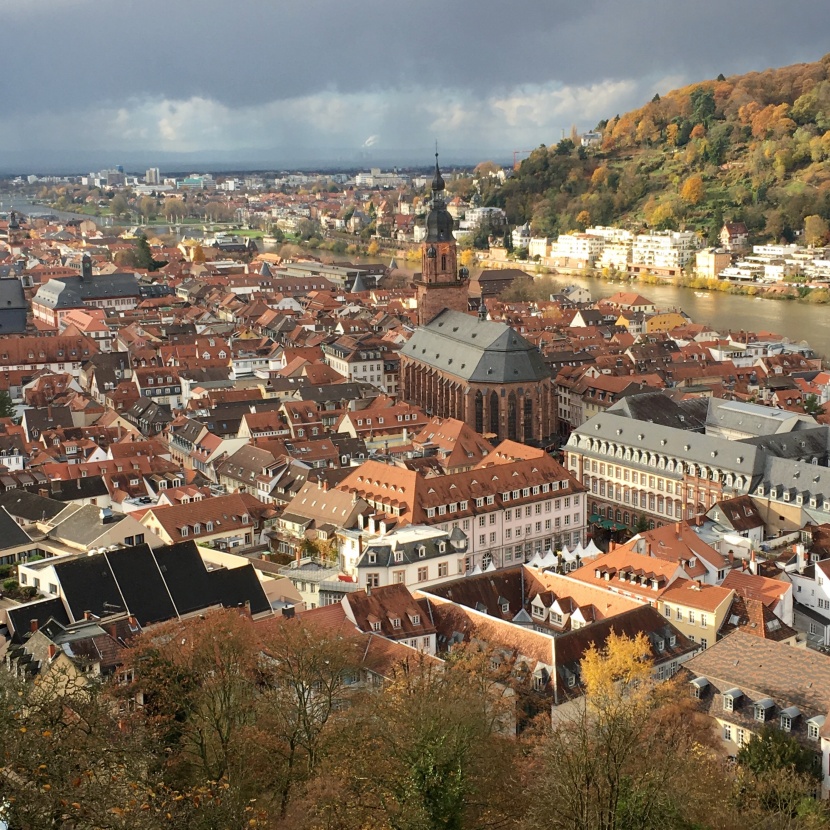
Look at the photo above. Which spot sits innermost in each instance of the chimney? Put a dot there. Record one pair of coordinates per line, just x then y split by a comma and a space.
298, 555
87, 615
53, 651
801, 557
677, 529
698, 520
368, 590
753, 563
132, 621
612, 545
33, 626
360, 544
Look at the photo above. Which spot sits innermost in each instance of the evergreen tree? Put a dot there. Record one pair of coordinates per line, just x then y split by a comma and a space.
144, 256
7, 407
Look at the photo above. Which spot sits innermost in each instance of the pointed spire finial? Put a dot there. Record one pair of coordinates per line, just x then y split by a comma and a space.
437, 181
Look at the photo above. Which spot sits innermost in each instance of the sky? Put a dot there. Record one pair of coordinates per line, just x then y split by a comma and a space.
182, 84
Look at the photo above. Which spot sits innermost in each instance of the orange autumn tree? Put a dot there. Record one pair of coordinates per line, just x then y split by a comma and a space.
692, 190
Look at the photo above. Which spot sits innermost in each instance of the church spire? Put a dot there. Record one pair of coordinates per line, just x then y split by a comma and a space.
437, 179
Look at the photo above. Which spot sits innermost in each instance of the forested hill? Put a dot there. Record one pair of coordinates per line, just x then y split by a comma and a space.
752, 148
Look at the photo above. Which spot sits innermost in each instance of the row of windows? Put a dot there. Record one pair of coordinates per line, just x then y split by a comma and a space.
197, 528
661, 462
410, 416
691, 615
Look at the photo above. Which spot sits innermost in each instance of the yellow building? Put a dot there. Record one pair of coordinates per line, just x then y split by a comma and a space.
696, 609
711, 261
665, 321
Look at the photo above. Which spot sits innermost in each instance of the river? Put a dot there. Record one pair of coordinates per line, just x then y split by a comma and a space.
789, 318
23, 205
793, 320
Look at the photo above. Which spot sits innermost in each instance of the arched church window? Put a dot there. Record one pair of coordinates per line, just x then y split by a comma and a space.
512, 418
494, 414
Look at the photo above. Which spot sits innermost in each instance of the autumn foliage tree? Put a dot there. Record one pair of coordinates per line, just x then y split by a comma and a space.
432, 751
632, 753
692, 190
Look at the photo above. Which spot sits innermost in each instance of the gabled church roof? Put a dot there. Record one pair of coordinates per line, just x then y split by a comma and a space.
476, 350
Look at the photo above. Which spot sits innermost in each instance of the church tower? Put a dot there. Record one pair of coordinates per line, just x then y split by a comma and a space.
441, 284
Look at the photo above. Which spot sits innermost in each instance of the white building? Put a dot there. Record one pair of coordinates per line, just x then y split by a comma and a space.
417, 555
581, 246
521, 236
664, 249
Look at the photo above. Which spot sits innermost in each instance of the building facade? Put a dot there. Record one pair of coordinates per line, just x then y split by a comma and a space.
482, 373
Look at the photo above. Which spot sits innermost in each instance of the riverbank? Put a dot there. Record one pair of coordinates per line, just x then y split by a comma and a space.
809, 293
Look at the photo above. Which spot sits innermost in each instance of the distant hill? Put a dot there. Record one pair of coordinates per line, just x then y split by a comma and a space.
752, 148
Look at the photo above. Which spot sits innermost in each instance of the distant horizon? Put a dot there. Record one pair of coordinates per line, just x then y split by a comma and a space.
333, 85
215, 164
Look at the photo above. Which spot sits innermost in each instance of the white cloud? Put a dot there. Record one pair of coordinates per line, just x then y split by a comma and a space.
411, 118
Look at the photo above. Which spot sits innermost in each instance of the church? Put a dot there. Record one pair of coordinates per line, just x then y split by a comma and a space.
457, 365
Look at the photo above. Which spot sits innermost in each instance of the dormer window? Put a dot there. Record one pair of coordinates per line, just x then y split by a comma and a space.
376, 626
398, 556
730, 698
416, 619
762, 709
698, 687
396, 623
788, 716
422, 551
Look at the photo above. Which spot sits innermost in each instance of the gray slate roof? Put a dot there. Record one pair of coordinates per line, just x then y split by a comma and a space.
659, 408
752, 418
733, 456
73, 292
478, 351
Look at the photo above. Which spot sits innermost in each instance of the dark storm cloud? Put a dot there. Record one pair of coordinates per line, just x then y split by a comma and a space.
70, 58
